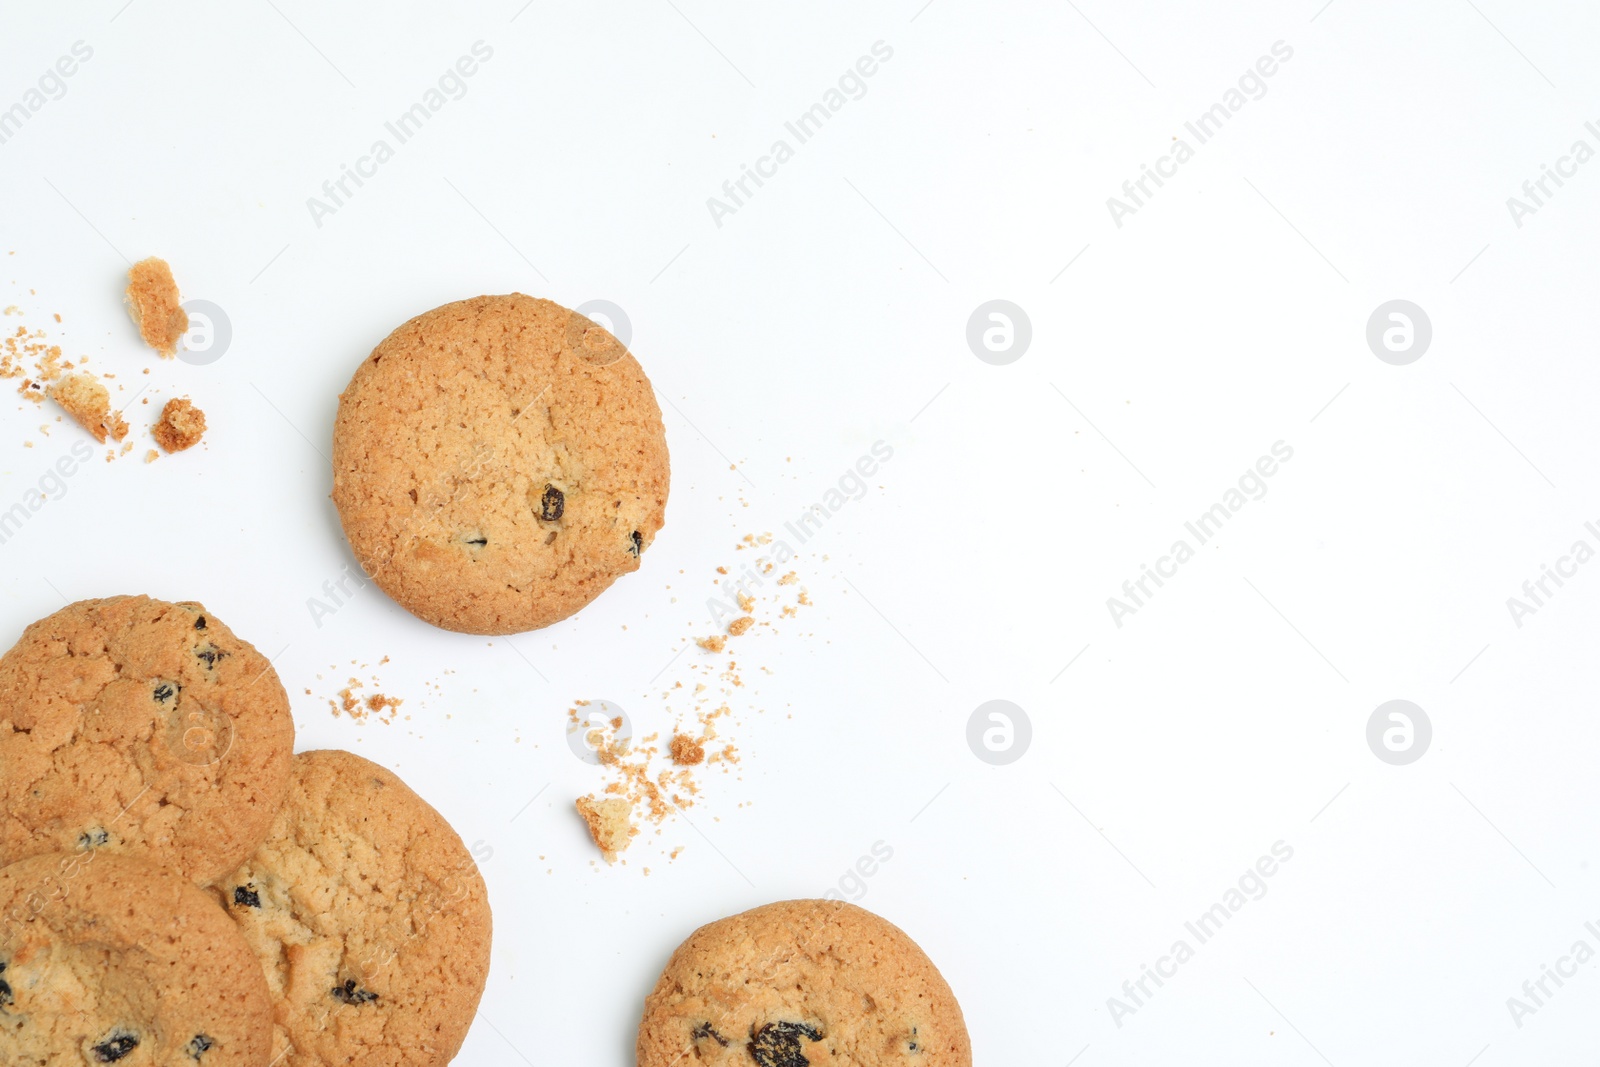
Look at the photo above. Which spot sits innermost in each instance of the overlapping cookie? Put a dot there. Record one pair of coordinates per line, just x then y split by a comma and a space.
131, 725
109, 959
369, 918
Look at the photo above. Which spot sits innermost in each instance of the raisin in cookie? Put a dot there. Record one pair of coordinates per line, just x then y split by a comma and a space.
497, 463
133, 725
802, 982
108, 959
369, 918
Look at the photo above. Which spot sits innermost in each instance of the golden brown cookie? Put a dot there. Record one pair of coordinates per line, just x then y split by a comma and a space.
497, 463
108, 959
154, 304
802, 982
133, 725
369, 918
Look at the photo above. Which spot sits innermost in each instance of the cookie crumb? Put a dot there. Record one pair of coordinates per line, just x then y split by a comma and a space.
181, 426
686, 751
740, 625
714, 643
89, 404
150, 457
152, 299
610, 823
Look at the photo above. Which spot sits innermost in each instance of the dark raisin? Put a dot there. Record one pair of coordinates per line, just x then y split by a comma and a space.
115, 1047
200, 624
636, 544
165, 692
553, 504
210, 655
93, 838
201, 1043
705, 1030
778, 1044
246, 896
349, 994
5, 993
480, 540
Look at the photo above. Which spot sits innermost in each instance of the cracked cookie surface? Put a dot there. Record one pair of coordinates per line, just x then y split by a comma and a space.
108, 959
369, 917
498, 463
131, 725
802, 982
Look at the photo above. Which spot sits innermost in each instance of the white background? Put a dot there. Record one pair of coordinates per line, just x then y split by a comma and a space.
830, 312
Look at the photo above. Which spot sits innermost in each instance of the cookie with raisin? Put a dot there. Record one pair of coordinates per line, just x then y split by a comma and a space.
498, 463
132, 725
109, 959
798, 983
369, 917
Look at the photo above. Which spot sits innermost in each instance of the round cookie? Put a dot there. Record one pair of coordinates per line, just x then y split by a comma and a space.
802, 982
497, 463
131, 725
109, 959
369, 918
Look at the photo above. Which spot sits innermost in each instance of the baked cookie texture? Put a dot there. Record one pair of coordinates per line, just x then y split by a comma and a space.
108, 959
497, 463
131, 725
89, 404
369, 918
802, 982
154, 305
181, 425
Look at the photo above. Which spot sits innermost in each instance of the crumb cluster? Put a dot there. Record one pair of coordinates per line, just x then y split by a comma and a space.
44, 371
642, 793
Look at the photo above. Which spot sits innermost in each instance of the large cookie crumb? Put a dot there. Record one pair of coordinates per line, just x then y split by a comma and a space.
610, 824
88, 402
152, 299
181, 426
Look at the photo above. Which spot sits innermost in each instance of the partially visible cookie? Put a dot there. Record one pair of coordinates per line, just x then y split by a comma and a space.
802, 982
134, 725
107, 959
369, 918
497, 463
153, 303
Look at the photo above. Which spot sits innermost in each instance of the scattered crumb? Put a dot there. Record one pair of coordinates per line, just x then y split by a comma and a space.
740, 625
89, 404
714, 643
180, 426
152, 300
687, 752
150, 457
610, 822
